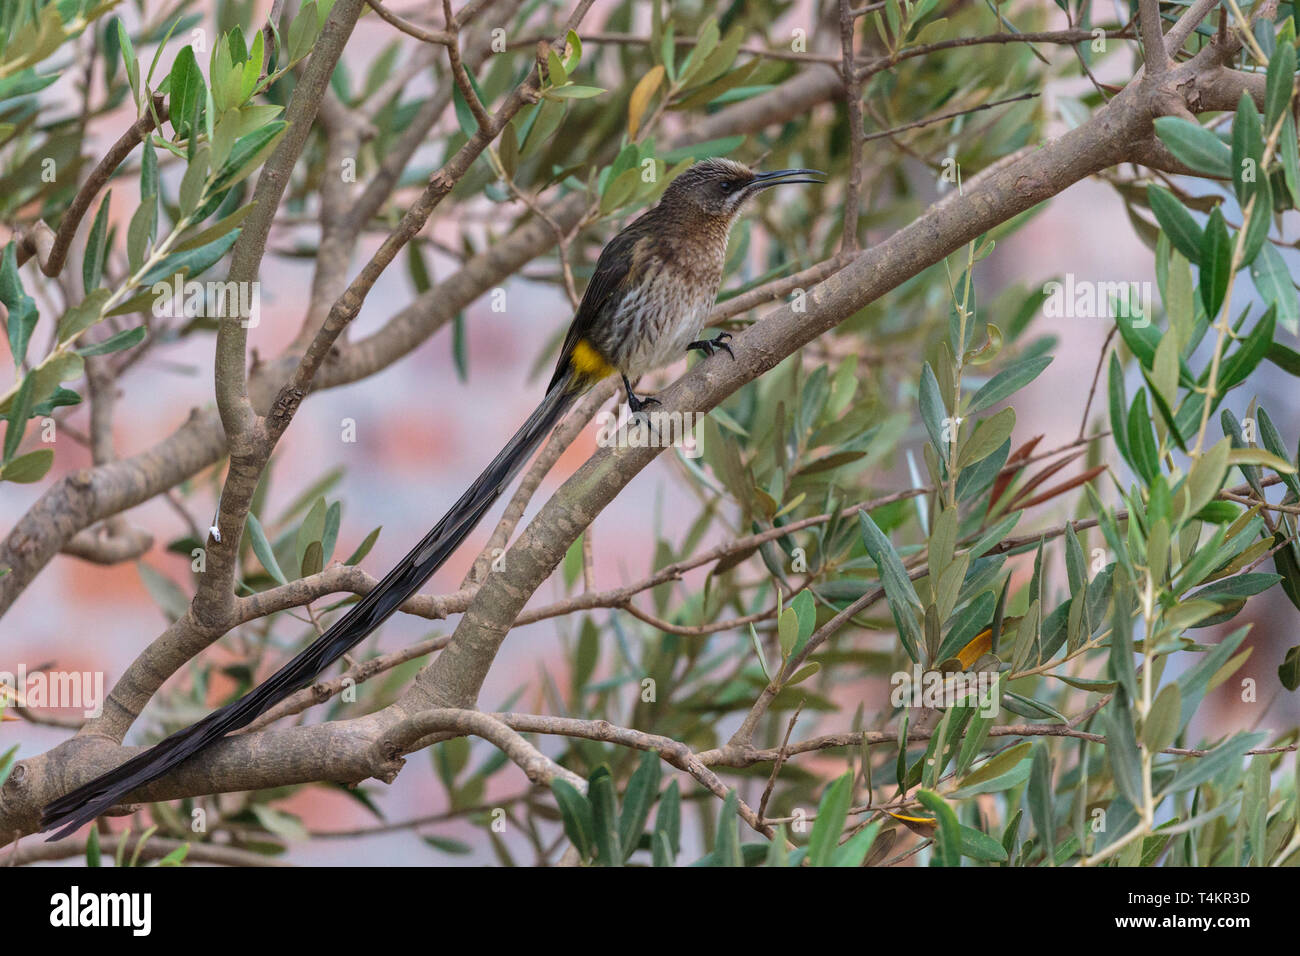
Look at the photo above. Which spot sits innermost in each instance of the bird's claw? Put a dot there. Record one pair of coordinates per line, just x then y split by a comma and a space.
718, 342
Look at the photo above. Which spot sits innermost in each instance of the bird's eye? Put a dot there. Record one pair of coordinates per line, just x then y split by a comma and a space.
729, 185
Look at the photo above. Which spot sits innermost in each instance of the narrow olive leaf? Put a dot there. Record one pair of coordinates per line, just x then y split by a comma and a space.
1122, 669
997, 766
186, 90
1040, 799
92, 263
787, 625
642, 789
948, 837
115, 343
1141, 439
668, 818
726, 850
1178, 224
1288, 672
1195, 146
933, 411
1216, 263
1272, 439
604, 817
980, 846
1161, 726
1247, 356
831, 814
1248, 153
758, 649
22, 307
1272, 280
311, 531
1007, 382
899, 591
30, 467
988, 437
855, 849
576, 813
1278, 85
82, 315
1205, 479
1122, 750
262, 548
1258, 456
1193, 773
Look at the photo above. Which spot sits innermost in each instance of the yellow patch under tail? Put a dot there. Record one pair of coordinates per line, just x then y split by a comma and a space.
589, 363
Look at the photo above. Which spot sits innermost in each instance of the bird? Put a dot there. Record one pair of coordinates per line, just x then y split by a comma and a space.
645, 306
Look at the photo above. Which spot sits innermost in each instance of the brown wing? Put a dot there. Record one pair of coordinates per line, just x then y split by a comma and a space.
612, 271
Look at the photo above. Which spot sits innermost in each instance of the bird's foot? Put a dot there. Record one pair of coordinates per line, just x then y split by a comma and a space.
709, 346
639, 405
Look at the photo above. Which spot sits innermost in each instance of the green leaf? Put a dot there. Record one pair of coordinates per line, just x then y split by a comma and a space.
855, 849
1216, 263
311, 531
640, 796
166, 594
247, 154
575, 811
82, 315
364, 547
16, 418
668, 819
948, 837
92, 263
1199, 770
1278, 85
1161, 726
29, 467
1248, 152
1121, 749
899, 591
1288, 672
995, 770
727, 850
980, 846
1007, 382
21, 306
1183, 232
186, 92
1040, 799
572, 92
831, 814
262, 548
1248, 355
1195, 146
115, 343
988, 437
604, 817
1141, 439
1205, 479
1272, 280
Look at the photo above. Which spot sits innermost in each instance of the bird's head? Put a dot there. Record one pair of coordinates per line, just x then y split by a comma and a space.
720, 187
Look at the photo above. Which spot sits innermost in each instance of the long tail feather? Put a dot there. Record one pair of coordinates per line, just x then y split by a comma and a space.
91, 799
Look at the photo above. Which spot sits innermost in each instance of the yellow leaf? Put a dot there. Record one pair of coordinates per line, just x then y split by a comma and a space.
641, 96
977, 648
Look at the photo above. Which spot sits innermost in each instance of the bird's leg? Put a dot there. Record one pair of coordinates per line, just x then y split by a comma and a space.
634, 403
709, 346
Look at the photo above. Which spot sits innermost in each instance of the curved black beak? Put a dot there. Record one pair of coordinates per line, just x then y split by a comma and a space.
783, 176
